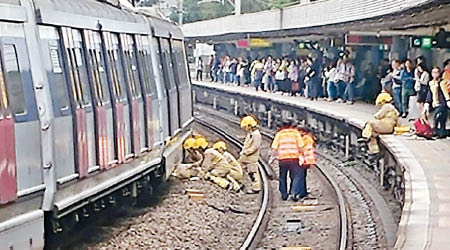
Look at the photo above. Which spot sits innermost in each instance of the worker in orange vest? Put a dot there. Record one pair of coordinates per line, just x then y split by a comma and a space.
307, 159
287, 147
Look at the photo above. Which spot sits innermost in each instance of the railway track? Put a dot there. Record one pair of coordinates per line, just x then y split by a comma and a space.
358, 227
251, 241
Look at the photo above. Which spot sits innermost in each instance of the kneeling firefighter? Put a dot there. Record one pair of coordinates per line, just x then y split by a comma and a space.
249, 155
235, 174
215, 167
193, 158
385, 121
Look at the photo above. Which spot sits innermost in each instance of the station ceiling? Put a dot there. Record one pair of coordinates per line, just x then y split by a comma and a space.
423, 20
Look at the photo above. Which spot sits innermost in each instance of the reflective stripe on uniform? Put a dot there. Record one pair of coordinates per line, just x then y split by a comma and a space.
288, 143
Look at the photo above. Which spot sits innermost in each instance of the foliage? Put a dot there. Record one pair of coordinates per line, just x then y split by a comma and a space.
193, 11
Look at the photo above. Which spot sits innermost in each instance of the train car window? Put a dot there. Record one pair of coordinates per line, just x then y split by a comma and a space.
102, 73
130, 64
59, 81
168, 65
82, 75
13, 80
4, 102
155, 45
121, 90
180, 58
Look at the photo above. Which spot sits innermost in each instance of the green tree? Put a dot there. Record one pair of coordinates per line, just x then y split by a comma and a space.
277, 4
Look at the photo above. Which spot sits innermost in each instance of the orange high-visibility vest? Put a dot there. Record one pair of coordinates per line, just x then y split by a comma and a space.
288, 143
308, 156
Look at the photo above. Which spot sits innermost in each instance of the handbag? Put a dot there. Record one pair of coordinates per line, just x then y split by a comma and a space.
423, 128
295, 86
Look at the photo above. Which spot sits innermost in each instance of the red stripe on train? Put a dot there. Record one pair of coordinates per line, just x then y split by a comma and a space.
8, 184
102, 140
82, 143
150, 128
120, 124
136, 127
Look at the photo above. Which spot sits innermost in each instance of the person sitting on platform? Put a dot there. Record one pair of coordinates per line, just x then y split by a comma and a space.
385, 121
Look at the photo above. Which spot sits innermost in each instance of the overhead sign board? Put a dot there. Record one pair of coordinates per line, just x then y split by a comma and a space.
367, 40
259, 43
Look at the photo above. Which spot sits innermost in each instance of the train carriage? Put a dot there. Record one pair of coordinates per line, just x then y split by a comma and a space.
95, 101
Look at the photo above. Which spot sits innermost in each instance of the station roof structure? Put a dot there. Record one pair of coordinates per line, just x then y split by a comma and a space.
375, 17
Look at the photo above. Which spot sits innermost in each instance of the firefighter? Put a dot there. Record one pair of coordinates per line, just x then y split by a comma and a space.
192, 159
307, 159
215, 168
287, 147
235, 174
249, 155
384, 123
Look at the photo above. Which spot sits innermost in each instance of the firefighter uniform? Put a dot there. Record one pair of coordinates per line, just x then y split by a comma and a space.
236, 174
385, 121
249, 158
216, 167
192, 160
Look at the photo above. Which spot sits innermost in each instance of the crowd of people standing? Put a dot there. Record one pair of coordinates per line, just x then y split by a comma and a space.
411, 84
293, 76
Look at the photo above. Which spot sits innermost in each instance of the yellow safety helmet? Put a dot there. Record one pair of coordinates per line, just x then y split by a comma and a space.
220, 145
383, 98
189, 143
201, 142
248, 121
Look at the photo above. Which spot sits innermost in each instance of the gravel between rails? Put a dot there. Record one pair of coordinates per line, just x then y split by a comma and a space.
220, 221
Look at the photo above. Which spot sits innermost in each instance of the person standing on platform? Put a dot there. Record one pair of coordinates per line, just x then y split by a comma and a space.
396, 76
211, 67
407, 77
312, 79
249, 155
439, 99
287, 146
349, 79
199, 68
385, 121
257, 73
422, 78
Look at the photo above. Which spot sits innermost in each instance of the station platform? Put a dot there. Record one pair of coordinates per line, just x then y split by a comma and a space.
425, 220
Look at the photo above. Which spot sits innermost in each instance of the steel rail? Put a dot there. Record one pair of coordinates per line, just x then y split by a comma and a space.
343, 216
258, 227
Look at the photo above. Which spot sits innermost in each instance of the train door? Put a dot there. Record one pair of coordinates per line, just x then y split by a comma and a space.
63, 123
183, 81
149, 91
19, 120
101, 98
160, 87
170, 84
81, 101
134, 91
118, 93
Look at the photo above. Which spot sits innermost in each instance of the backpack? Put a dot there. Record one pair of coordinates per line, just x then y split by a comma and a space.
423, 128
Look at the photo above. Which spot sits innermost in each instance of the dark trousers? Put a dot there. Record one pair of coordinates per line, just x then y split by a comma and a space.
440, 118
199, 76
297, 175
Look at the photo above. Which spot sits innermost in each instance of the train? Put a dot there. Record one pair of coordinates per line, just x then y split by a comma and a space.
95, 102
